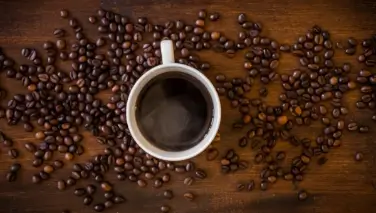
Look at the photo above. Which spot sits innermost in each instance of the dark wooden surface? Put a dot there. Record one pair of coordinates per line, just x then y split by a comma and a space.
340, 186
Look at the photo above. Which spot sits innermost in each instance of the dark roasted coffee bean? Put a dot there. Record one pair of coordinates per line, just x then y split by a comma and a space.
48, 169
188, 181
64, 13
302, 195
212, 154
11, 176
79, 192
165, 208
99, 207
263, 185
90, 189
352, 126
281, 155
119, 199
358, 156
363, 129
71, 182
141, 183
44, 176
350, 51
158, 183
201, 174
15, 167
168, 194
87, 200
242, 18
166, 178
108, 204
240, 187
106, 186
214, 16
13, 153
61, 185
36, 179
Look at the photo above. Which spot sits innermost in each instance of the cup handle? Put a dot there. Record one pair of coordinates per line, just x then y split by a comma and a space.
167, 51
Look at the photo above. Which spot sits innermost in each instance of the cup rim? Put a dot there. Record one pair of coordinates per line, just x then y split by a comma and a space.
149, 147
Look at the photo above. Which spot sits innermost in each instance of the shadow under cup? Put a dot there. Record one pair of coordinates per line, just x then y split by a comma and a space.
174, 111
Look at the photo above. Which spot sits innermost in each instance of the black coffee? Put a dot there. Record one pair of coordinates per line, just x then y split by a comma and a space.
174, 111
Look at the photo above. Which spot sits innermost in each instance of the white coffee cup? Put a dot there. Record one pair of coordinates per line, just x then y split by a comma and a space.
169, 65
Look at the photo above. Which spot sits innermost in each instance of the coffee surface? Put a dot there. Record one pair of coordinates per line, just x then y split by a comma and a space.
173, 111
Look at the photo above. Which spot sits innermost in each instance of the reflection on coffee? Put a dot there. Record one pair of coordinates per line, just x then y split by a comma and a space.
174, 111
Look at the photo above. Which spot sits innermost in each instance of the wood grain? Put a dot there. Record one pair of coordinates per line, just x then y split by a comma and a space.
340, 186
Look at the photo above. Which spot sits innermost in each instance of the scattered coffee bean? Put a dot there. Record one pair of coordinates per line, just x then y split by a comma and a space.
15, 167
64, 13
212, 154
358, 156
189, 196
11, 176
302, 195
165, 208
99, 207
168, 194
61, 185
87, 200
188, 181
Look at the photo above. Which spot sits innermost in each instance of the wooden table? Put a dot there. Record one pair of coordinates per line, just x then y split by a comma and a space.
341, 185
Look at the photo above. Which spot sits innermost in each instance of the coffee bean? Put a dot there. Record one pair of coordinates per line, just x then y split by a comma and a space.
363, 129
119, 199
189, 166
201, 174
48, 169
11, 176
243, 142
263, 186
242, 18
99, 207
39, 135
352, 126
350, 51
358, 156
90, 189
274, 64
13, 153
68, 156
168, 194
302, 195
165, 208
109, 195
158, 183
189, 196
61, 44
272, 179
281, 156
15, 167
188, 181
61, 185
106, 186
59, 33
212, 154
79, 192
282, 120
64, 13
214, 16
87, 200
36, 179
141, 183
